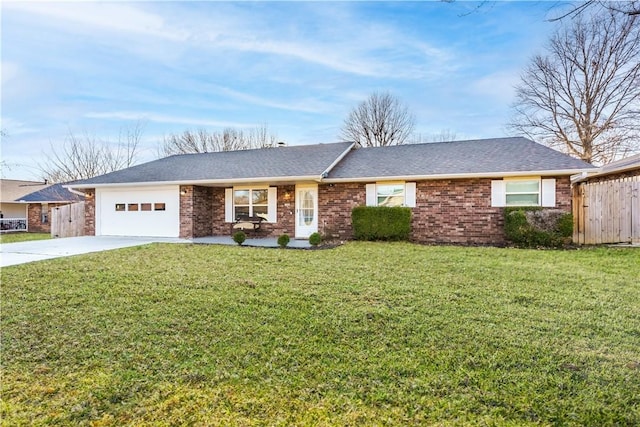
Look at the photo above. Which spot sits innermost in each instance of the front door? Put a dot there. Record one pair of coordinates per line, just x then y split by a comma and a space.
306, 210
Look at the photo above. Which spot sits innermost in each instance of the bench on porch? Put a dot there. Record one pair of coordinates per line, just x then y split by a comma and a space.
247, 223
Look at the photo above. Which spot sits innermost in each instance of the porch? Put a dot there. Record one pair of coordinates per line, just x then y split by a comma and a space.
260, 242
13, 224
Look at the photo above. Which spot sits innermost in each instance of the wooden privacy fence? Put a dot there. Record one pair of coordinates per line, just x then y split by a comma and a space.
68, 220
607, 211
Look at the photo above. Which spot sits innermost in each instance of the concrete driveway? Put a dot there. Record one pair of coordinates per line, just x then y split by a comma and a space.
37, 250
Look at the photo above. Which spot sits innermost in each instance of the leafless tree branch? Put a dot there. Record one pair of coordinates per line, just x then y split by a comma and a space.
583, 95
86, 156
229, 139
379, 121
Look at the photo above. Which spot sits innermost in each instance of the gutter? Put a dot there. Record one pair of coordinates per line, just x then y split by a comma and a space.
457, 176
204, 182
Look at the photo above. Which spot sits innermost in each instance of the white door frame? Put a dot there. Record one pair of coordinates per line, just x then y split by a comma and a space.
303, 231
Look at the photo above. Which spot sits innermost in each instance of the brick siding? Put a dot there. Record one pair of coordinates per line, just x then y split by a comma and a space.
447, 211
285, 209
34, 217
196, 211
90, 212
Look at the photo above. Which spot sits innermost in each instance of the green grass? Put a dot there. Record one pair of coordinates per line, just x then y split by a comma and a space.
23, 237
364, 334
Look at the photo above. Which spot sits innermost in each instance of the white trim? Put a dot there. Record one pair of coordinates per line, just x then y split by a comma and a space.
498, 193
548, 193
371, 196
272, 204
264, 181
410, 194
454, 176
228, 205
336, 161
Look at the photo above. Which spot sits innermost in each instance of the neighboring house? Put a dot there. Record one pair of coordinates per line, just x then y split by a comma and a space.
606, 203
27, 205
456, 190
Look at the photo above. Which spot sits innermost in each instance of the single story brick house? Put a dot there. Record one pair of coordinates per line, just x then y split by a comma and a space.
456, 190
27, 205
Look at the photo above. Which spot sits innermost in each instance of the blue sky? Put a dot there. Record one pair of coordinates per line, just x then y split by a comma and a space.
298, 67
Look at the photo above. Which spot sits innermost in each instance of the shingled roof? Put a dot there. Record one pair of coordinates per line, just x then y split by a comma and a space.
341, 162
483, 157
52, 193
294, 162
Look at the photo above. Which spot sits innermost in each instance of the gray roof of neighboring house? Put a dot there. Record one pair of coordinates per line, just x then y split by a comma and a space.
279, 162
627, 164
483, 156
52, 193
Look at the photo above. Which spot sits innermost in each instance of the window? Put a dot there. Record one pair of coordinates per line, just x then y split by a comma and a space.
391, 194
522, 192
44, 217
529, 191
145, 206
119, 207
132, 207
159, 207
252, 202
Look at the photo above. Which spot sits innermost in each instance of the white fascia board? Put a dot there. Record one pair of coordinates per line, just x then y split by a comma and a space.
559, 172
213, 182
586, 175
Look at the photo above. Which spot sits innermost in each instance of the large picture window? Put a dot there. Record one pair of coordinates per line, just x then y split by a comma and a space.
260, 201
522, 192
251, 202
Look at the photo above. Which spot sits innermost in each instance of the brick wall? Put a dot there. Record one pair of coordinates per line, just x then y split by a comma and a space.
447, 211
335, 202
90, 212
196, 211
285, 211
34, 217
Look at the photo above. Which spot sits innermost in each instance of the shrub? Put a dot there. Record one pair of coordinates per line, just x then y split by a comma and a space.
533, 227
381, 223
315, 239
239, 237
283, 240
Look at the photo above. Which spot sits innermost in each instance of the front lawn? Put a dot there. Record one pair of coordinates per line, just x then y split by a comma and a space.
364, 334
22, 237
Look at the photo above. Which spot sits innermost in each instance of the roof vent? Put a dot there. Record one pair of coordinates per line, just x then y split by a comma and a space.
281, 144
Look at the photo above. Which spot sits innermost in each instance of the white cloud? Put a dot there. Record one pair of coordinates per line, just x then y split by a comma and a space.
164, 118
114, 17
498, 86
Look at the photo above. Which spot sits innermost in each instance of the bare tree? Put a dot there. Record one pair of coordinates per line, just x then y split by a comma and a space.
445, 135
82, 157
630, 8
576, 9
229, 139
380, 120
582, 97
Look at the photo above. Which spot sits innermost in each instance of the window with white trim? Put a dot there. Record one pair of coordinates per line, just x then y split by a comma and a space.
521, 192
391, 194
258, 201
524, 191
251, 202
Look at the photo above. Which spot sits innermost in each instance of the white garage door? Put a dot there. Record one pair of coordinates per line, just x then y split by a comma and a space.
138, 212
